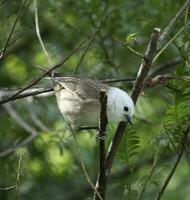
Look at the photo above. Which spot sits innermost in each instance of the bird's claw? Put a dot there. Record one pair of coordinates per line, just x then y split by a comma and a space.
103, 135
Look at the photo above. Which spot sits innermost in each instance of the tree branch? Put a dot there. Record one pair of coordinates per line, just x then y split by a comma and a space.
101, 181
108, 58
14, 40
44, 92
12, 30
39, 35
146, 64
173, 21
138, 86
7, 188
168, 43
131, 49
90, 42
5, 94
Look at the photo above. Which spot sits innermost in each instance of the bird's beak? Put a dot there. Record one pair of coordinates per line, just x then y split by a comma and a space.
128, 119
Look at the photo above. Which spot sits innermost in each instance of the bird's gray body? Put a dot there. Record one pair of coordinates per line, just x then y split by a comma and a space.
78, 101
77, 98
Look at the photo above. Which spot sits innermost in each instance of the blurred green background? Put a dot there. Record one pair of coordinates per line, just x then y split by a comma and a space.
50, 168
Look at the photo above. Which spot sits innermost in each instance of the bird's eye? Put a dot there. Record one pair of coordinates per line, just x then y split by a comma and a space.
126, 108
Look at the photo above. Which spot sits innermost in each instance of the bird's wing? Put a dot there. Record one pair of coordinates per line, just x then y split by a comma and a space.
84, 89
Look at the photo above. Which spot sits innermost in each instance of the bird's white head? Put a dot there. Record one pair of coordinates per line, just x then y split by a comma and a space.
120, 106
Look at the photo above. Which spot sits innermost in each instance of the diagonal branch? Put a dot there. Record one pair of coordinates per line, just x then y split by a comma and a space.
131, 49
5, 94
101, 41
146, 64
90, 42
7, 188
168, 43
12, 30
15, 40
173, 21
84, 53
138, 86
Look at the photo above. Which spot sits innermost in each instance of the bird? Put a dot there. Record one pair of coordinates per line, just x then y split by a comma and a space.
78, 101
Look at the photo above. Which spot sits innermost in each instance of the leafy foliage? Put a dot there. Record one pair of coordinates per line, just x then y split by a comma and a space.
131, 38
129, 146
178, 114
51, 167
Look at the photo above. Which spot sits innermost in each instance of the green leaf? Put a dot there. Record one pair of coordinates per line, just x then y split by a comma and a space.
131, 38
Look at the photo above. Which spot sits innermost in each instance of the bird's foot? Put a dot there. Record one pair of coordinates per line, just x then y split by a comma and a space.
103, 136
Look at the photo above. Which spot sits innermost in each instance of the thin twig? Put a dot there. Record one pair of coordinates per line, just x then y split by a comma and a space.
18, 176
179, 156
116, 80
162, 79
12, 30
13, 41
132, 50
139, 83
5, 94
186, 15
168, 43
84, 53
7, 188
108, 58
41, 41
173, 21
101, 181
39, 35
56, 73
158, 79
90, 42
